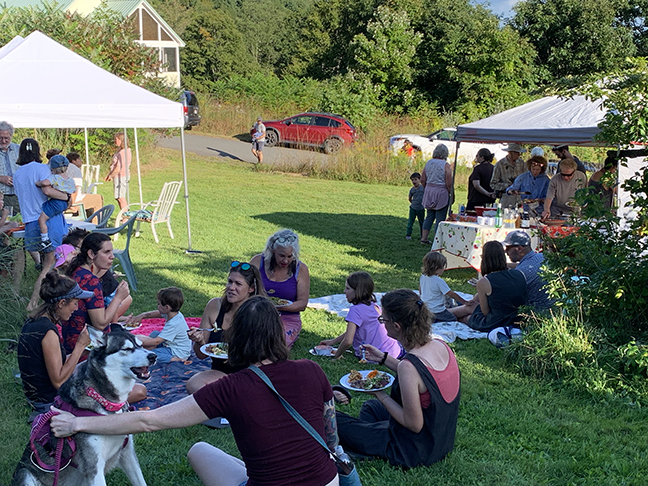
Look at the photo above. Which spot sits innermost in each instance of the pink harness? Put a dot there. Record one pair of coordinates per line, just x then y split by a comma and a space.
41, 433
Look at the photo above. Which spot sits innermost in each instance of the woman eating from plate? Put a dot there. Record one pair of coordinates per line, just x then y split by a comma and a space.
415, 425
275, 448
285, 277
43, 364
243, 282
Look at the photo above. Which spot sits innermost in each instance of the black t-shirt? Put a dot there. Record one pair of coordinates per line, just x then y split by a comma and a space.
31, 361
482, 173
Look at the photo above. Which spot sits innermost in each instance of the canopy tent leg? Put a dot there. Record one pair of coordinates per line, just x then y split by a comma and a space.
125, 147
139, 174
189, 250
87, 148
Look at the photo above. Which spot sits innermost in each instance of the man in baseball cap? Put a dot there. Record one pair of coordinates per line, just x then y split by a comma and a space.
517, 246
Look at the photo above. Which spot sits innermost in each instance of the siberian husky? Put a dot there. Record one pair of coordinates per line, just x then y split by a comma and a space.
100, 385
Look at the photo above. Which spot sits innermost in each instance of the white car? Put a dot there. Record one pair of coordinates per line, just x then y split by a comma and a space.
447, 136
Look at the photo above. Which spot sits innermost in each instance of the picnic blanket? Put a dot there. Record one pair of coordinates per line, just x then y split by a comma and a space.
168, 381
448, 331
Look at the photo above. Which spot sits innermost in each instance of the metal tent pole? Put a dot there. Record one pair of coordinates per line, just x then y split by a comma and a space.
139, 174
189, 250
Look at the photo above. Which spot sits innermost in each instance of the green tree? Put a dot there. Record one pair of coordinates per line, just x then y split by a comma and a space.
574, 37
215, 48
104, 38
384, 55
467, 61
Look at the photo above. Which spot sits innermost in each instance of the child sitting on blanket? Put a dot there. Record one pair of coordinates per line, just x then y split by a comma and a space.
363, 320
433, 290
172, 342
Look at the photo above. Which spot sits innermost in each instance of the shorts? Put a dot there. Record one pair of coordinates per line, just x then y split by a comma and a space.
52, 207
56, 229
121, 187
256, 145
445, 316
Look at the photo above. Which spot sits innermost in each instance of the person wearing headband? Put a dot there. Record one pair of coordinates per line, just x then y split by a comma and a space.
43, 363
415, 425
243, 282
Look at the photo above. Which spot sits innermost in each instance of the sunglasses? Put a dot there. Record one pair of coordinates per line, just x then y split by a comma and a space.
382, 320
537, 164
244, 266
567, 176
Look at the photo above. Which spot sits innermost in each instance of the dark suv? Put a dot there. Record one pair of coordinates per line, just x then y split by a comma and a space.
325, 130
191, 109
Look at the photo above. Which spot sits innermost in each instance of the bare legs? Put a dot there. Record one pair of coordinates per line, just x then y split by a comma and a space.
215, 467
197, 381
48, 263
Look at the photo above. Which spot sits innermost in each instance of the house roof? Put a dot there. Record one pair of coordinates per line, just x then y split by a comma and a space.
123, 7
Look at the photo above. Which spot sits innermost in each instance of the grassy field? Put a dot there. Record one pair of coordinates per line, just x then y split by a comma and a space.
512, 430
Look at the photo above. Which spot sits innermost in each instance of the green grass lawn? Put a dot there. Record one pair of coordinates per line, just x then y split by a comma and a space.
512, 429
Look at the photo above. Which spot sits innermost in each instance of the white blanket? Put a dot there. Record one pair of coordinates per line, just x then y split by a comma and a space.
448, 331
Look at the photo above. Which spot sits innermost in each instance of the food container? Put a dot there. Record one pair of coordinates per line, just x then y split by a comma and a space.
323, 350
480, 210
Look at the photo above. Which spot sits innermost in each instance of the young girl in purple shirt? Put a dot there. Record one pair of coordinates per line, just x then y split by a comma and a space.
362, 320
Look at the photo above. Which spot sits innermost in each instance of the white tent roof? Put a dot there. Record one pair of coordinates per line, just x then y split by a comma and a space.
45, 85
547, 121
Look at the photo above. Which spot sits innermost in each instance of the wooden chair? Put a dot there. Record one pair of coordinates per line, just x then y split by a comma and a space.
123, 255
154, 212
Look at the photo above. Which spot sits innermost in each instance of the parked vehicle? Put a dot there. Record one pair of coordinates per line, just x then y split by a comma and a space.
426, 145
325, 130
191, 109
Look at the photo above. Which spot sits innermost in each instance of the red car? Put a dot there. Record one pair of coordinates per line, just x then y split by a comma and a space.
325, 130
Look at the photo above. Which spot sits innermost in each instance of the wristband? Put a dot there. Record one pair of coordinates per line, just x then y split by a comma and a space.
384, 358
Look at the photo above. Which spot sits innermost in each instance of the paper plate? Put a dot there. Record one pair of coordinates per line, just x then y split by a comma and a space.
204, 349
280, 302
344, 381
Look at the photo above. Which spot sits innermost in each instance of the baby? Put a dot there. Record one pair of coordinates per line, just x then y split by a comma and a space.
58, 180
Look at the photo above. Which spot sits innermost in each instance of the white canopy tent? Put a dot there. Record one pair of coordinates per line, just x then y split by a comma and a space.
45, 85
551, 121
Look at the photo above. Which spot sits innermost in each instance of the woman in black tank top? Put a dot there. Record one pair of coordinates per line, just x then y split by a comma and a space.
243, 282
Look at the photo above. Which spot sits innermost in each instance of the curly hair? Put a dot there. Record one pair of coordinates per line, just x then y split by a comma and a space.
433, 261
537, 159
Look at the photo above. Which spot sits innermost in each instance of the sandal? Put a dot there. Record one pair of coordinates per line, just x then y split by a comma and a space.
343, 391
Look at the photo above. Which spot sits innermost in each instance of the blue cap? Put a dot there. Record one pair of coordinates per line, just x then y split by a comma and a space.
75, 292
517, 238
58, 161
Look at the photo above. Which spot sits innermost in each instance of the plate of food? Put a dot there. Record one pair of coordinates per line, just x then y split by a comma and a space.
323, 350
280, 302
215, 350
554, 222
367, 380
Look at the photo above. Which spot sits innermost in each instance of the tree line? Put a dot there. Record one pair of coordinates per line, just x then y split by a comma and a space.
451, 55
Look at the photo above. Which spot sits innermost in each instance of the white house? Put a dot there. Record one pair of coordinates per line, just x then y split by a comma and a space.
153, 30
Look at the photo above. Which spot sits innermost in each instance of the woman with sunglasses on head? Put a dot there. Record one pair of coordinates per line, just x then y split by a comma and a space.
532, 185
275, 448
414, 425
285, 277
562, 188
243, 282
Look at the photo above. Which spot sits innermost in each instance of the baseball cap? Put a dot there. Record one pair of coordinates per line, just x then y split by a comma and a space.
58, 161
537, 151
559, 147
61, 253
75, 292
517, 238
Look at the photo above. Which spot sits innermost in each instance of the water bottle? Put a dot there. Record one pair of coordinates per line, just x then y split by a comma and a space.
462, 210
498, 216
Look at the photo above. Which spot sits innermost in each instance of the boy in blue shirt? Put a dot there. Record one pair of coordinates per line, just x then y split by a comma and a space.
417, 211
173, 341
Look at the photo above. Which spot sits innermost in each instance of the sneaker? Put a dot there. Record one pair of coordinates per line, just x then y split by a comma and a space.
45, 244
408, 237
38, 267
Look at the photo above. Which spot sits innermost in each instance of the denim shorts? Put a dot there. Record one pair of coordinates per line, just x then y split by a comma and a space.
52, 207
57, 229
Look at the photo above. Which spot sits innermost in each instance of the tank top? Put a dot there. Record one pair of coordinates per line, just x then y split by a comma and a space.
216, 336
283, 290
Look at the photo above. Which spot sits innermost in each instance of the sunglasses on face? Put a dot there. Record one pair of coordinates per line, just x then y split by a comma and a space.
244, 266
567, 176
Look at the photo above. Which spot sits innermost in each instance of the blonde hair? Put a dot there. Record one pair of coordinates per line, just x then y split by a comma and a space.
568, 163
59, 170
432, 262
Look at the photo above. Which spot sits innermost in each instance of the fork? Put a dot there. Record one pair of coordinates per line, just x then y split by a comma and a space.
363, 351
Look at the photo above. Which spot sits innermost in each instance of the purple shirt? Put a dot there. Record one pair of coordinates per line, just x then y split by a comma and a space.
370, 331
282, 290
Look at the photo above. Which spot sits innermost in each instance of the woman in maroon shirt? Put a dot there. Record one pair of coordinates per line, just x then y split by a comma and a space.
276, 450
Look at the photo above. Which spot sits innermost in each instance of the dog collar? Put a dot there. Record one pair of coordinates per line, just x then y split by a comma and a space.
108, 405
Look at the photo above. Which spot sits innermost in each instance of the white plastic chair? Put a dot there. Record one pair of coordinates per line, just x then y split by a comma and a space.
154, 212
90, 174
